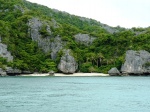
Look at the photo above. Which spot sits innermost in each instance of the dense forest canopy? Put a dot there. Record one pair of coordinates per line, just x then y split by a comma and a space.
106, 51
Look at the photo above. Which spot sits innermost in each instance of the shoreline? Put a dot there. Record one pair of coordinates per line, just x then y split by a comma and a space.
68, 75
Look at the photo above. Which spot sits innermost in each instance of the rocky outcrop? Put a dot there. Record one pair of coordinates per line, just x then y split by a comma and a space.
35, 26
51, 73
67, 63
109, 29
47, 43
10, 71
84, 39
136, 63
26, 72
56, 46
114, 72
4, 52
2, 72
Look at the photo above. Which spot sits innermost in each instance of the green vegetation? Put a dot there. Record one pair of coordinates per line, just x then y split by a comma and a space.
105, 52
147, 64
3, 62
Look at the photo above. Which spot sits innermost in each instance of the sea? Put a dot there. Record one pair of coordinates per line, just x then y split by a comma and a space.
74, 94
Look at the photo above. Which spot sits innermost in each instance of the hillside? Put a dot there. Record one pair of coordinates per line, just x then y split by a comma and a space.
35, 38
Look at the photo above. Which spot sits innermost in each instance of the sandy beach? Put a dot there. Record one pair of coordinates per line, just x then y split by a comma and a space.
67, 75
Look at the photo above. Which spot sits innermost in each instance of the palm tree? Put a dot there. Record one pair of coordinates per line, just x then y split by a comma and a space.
93, 58
100, 57
90, 57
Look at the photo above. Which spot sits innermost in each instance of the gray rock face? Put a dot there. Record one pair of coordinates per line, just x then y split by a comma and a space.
51, 73
56, 46
4, 52
109, 29
67, 63
2, 72
18, 7
11, 71
114, 72
55, 25
84, 39
35, 26
45, 43
136, 62
27, 72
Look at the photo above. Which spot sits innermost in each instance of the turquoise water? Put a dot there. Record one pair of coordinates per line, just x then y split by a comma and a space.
74, 94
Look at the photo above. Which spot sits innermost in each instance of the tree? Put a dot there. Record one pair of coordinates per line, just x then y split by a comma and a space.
100, 57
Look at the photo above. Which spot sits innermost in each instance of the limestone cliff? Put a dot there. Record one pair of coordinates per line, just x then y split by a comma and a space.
35, 26
84, 39
4, 52
47, 42
136, 62
67, 63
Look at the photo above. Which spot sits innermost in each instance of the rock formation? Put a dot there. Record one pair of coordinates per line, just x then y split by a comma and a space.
4, 52
51, 73
109, 29
67, 63
84, 39
45, 43
136, 63
35, 26
11, 71
2, 72
114, 72
56, 46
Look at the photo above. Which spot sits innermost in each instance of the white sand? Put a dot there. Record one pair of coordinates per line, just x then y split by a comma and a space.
82, 74
35, 74
68, 75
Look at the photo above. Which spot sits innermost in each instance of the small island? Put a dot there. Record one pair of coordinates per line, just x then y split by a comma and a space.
35, 39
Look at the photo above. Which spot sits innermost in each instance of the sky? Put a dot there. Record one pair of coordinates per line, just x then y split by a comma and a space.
124, 13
